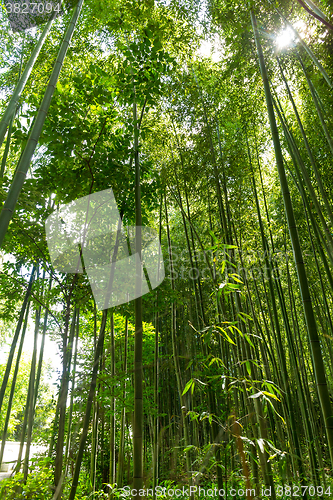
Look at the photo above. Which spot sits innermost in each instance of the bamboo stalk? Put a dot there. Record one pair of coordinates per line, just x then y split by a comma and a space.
317, 360
33, 395
138, 370
307, 146
13, 385
15, 338
121, 460
156, 379
10, 110
176, 358
70, 416
112, 465
86, 420
305, 47
317, 106
36, 130
299, 165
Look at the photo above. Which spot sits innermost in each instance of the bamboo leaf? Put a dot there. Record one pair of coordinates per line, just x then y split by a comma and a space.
244, 315
223, 267
272, 387
227, 247
235, 328
213, 236
247, 440
260, 442
188, 386
236, 279
248, 339
270, 395
231, 263
273, 447
257, 395
199, 381
224, 333
189, 447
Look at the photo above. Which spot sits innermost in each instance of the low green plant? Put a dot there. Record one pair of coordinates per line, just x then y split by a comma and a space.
39, 484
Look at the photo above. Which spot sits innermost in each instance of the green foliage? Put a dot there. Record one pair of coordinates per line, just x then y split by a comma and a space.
39, 484
44, 406
204, 145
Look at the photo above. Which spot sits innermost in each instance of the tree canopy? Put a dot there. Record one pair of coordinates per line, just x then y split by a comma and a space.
211, 124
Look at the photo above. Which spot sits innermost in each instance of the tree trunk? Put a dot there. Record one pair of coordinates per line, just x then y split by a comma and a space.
13, 384
317, 360
121, 459
138, 406
86, 420
62, 401
33, 395
15, 339
23, 165
8, 114
112, 468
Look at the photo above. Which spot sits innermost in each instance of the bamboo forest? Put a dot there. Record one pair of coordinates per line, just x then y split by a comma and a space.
166, 260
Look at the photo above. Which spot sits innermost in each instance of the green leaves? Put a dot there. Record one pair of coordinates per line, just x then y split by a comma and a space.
191, 384
224, 334
257, 395
227, 286
145, 65
243, 316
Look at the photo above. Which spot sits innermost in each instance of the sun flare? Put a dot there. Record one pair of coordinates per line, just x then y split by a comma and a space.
284, 38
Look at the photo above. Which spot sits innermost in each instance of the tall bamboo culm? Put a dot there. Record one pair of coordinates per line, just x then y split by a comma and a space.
138, 372
36, 130
11, 107
317, 359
